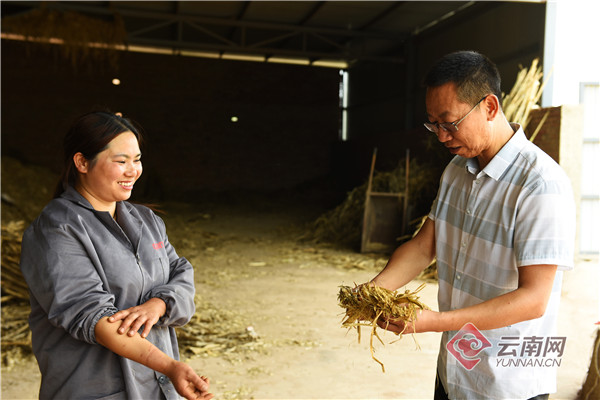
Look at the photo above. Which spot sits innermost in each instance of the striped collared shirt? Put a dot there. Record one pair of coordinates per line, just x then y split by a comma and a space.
517, 211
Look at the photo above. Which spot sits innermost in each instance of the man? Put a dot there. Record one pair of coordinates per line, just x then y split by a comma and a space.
501, 229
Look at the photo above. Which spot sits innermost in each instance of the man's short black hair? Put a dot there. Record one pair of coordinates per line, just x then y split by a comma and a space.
474, 75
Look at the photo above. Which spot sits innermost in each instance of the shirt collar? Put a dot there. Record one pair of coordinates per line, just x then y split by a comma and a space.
504, 158
73, 195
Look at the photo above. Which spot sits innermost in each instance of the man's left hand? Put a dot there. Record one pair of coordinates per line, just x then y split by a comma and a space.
424, 322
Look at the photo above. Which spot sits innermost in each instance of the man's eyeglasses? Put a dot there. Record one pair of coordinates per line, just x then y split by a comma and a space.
451, 127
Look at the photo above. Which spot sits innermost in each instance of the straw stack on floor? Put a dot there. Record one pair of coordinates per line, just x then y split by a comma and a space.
367, 304
343, 224
13, 283
591, 386
16, 336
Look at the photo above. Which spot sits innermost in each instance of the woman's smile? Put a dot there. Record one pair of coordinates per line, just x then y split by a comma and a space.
110, 177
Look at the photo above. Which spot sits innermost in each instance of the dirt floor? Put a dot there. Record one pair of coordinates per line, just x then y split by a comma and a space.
251, 264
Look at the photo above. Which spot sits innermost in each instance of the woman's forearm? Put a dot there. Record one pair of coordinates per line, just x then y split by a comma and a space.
185, 380
132, 347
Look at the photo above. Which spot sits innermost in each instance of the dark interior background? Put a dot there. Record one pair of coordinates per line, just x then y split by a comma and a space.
286, 140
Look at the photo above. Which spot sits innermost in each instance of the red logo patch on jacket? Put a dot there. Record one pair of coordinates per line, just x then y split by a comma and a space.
158, 245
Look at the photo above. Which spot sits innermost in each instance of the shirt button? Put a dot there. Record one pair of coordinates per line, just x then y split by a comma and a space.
161, 379
458, 277
468, 211
464, 244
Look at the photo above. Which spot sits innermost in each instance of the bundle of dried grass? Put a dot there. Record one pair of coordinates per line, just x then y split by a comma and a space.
525, 94
366, 304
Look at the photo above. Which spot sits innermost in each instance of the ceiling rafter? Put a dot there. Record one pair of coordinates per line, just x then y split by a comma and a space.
240, 15
321, 30
384, 13
217, 21
306, 18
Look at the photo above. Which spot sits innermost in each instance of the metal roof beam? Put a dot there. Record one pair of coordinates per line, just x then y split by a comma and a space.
381, 15
311, 13
172, 30
350, 55
93, 9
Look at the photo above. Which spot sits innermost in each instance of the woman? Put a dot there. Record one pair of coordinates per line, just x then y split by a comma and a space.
106, 286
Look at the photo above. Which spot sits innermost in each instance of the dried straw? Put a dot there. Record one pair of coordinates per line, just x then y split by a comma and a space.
367, 304
16, 336
13, 284
525, 94
591, 387
343, 224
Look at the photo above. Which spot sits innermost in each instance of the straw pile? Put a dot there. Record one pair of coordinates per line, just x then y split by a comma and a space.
24, 194
343, 224
366, 304
591, 386
13, 284
16, 336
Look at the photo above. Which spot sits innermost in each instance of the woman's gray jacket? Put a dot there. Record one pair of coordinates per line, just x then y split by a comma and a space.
81, 265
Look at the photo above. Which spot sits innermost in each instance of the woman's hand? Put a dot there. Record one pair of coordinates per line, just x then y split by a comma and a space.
133, 318
184, 378
187, 383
